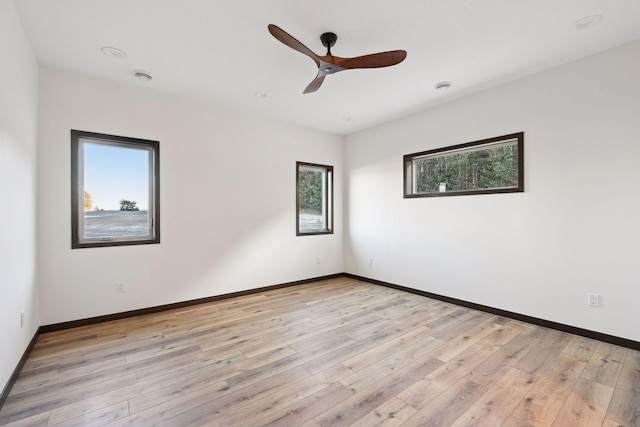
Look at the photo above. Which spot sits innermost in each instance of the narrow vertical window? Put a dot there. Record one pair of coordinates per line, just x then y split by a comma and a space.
314, 199
114, 190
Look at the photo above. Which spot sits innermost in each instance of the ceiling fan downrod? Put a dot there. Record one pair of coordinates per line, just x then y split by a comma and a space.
328, 40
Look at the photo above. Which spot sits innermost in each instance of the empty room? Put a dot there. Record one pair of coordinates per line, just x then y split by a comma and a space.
346, 213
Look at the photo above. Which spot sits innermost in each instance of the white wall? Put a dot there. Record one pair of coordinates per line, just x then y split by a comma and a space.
18, 136
227, 201
575, 230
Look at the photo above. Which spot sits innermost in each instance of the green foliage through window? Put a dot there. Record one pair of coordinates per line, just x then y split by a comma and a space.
310, 191
314, 199
489, 166
127, 205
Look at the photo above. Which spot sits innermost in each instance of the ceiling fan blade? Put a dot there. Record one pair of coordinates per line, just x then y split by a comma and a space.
375, 60
290, 41
315, 84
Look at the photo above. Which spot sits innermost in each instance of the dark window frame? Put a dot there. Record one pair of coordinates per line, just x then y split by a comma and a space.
328, 209
408, 159
77, 187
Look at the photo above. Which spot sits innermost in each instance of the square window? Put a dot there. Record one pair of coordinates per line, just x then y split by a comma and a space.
314, 199
115, 190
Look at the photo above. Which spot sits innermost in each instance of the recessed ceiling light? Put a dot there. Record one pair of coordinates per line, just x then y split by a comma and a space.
142, 75
587, 22
443, 85
113, 52
261, 94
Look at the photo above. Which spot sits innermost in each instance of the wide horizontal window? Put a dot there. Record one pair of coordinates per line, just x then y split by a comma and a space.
494, 165
115, 190
314, 199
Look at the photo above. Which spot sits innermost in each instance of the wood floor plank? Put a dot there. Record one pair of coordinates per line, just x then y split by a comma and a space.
208, 404
173, 391
173, 381
466, 339
173, 407
17, 408
497, 403
334, 374
449, 316
307, 326
463, 323
369, 357
421, 314
537, 360
305, 410
367, 400
174, 377
334, 337
376, 372
447, 407
392, 413
42, 379
605, 365
624, 409
515, 422
586, 405
411, 303
496, 365
323, 362
88, 380
100, 417
542, 403
254, 411
581, 348
38, 420
435, 383
505, 333
44, 360
328, 353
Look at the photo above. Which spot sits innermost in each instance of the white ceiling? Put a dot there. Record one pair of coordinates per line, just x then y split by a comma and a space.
220, 52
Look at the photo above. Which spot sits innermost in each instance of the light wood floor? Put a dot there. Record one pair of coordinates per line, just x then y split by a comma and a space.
332, 353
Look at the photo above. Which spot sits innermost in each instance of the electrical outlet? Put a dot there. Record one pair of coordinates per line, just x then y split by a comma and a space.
318, 260
593, 300
370, 262
120, 288
22, 319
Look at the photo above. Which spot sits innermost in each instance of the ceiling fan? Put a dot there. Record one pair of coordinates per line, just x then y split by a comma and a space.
330, 64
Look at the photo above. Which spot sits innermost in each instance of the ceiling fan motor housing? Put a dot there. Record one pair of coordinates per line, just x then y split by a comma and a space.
328, 39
